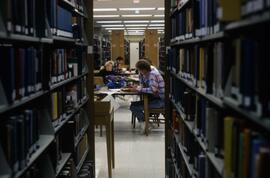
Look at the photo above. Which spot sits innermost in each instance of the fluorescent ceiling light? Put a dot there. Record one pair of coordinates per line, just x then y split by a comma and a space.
137, 21
108, 21
113, 25
109, 30
98, 16
161, 9
136, 25
104, 9
135, 30
142, 28
115, 28
138, 9
137, 15
157, 21
156, 25
159, 15
136, 1
156, 28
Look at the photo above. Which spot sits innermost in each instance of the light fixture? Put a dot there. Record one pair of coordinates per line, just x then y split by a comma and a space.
136, 21
139, 28
104, 9
138, 9
113, 25
136, 1
161, 9
156, 28
156, 25
136, 25
157, 21
137, 15
116, 28
108, 21
159, 15
101, 16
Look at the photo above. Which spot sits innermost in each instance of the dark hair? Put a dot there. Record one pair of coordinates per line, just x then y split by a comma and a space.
143, 64
147, 59
119, 58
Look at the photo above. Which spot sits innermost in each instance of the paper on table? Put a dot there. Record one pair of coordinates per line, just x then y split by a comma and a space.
110, 98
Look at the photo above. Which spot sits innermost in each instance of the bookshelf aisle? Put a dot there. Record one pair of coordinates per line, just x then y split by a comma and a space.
44, 92
218, 119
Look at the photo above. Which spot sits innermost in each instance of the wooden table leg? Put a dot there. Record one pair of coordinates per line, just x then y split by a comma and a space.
113, 154
146, 112
109, 147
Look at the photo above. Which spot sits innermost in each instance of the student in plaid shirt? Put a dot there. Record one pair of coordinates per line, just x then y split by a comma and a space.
151, 82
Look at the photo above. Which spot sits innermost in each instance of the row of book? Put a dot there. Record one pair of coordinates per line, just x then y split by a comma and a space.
81, 150
202, 67
162, 55
20, 71
19, 136
247, 79
182, 23
246, 152
87, 170
235, 69
69, 171
205, 17
66, 63
106, 50
60, 19
25, 17
65, 100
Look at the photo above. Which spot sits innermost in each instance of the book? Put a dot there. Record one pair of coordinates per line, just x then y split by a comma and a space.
64, 22
228, 141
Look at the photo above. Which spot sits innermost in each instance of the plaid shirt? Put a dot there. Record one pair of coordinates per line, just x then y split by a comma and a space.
152, 83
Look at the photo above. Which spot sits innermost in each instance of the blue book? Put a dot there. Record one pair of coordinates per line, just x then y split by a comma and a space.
201, 167
7, 72
256, 144
64, 22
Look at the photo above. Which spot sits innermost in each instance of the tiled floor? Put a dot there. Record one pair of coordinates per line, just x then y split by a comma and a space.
136, 156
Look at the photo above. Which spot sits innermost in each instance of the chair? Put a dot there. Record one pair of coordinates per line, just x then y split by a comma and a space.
150, 115
98, 80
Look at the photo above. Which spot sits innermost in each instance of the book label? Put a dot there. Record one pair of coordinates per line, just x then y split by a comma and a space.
217, 28
18, 28
219, 13
249, 7
9, 26
247, 101
257, 5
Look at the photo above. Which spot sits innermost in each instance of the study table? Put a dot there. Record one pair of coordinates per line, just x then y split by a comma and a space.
120, 92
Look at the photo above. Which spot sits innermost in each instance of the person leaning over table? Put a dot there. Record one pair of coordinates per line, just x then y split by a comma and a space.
106, 70
152, 83
119, 61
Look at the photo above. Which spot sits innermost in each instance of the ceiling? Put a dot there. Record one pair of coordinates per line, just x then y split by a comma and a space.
115, 15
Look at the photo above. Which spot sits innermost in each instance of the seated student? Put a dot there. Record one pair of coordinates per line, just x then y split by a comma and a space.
106, 70
119, 61
151, 82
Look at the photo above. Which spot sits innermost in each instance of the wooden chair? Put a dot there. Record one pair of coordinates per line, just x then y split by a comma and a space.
150, 115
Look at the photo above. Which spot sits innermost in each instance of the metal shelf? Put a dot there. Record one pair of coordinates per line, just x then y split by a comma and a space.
178, 42
79, 166
22, 102
253, 117
252, 20
67, 118
62, 162
215, 100
64, 82
43, 142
